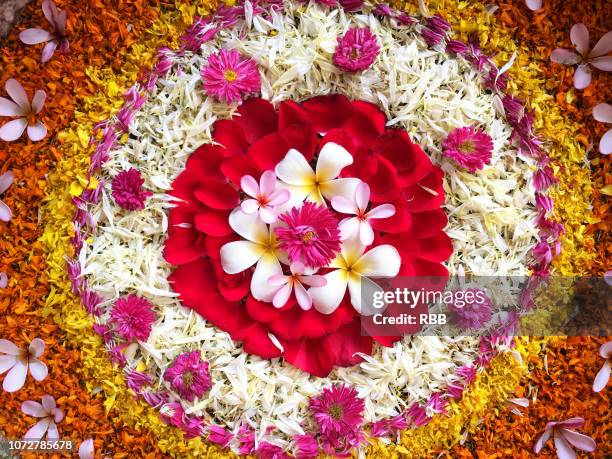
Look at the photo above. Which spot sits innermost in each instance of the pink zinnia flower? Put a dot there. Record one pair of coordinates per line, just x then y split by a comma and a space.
586, 57
26, 112
474, 314
468, 147
265, 196
338, 410
357, 50
228, 76
50, 414
57, 19
189, 375
6, 180
601, 380
565, 438
127, 190
310, 235
603, 114
307, 446
295, 282
19, 361
133, 317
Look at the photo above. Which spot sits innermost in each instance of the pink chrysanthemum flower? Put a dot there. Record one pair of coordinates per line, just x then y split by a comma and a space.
228, 76
468, 147
127, 190
472, 314
133, 317
338, 410
189, 375
311, 235
357, 50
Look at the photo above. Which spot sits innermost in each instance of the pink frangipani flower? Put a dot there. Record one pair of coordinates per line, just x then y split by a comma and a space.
534, 5
57, 19
86, 450
50, 414
602, 113
359, 225
295, 282
586, 57
6, 180
565, 438
265, 196
601, 380
18, 361
229, 76
20, 107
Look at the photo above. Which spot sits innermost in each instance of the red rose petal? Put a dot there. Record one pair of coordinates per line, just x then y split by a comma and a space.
218, 195
398, 223
366, 124
205, 162
328, 112
312, 356
411, 162
193, 281
384, 184
346, 342
260, 311
229, 134
237, 166
185, 246
213, 222
428, 224
257, 119
290, 113
268, 151
427, 194
438, 248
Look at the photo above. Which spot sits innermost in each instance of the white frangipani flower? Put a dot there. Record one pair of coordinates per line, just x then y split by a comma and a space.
353, 267
304, 183
259, 247
358, 206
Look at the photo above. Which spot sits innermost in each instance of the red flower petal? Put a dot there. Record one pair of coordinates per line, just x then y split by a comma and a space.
328, 112
268, 151
428, 224
213, 222
260, 311
218, 195
194, 281
384, 184
290, 113
398, 223
237, 166
411, 162
427, 194
366, 124
347, 341
312, 356
257, 119
438, 248
302, 137
255, 340
205, 162
184, 246
229, 134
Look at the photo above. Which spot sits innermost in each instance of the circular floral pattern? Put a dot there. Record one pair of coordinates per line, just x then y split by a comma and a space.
407, 88
215, 243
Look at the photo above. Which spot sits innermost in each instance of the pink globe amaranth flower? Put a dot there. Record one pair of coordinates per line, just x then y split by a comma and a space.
19, 361
133, 317
127, 190
474, 314
306, 445
337, 410
468, 147
228, 76
357, 50
189, 376
57, 20
310, 235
